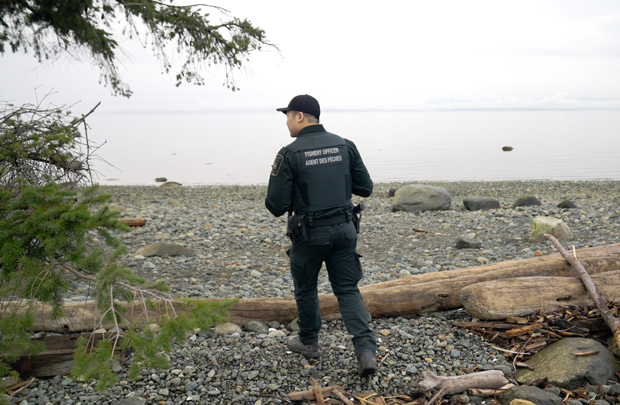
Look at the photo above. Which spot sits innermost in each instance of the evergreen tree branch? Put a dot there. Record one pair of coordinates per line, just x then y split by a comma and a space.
127, 286
76, 29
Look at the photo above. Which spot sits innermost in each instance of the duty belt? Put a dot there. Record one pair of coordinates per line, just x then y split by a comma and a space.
335, 220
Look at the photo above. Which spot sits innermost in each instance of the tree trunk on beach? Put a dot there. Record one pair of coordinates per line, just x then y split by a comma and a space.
405, 296
524, 296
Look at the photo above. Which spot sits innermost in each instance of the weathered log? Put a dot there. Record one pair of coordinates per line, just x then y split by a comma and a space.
493, 379
601, 305
57, 359
405, 296
133, 221
606, 258
524, 296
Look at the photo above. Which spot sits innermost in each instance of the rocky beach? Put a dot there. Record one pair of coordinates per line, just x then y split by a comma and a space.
238, 250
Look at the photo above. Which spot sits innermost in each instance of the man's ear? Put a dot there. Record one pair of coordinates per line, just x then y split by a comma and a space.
300, 117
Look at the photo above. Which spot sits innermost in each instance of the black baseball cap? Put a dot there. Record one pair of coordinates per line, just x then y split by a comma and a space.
303, 103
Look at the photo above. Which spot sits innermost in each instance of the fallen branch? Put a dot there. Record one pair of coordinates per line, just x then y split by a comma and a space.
317, 393
522, 331
488, 392
342, 397
382, 360
309, 395
538, 382
611, 321
439, 394
523, 365
492, 379
19, 387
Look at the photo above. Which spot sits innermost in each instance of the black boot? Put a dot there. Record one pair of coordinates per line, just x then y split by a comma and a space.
366, 363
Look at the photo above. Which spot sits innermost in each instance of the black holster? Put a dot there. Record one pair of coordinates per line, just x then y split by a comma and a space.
357, 215
296, 225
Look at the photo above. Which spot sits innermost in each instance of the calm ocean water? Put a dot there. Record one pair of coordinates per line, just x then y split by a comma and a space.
239, 148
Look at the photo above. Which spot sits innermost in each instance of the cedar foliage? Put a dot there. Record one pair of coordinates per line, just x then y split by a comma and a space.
49, 236
51, 29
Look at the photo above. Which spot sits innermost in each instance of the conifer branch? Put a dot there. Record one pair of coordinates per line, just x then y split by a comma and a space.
119, 283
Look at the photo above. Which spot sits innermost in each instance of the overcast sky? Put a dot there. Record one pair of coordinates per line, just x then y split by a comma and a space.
374, 55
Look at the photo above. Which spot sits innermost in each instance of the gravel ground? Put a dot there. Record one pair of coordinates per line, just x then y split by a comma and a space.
240, 251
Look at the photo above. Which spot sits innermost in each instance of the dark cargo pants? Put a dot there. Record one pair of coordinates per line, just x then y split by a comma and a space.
335, 245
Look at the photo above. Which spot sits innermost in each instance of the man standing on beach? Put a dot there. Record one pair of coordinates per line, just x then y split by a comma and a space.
315, 176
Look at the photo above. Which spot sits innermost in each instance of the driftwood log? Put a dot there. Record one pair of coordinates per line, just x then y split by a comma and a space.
431, 383
57, 359
524, 296
405, 296
133, 221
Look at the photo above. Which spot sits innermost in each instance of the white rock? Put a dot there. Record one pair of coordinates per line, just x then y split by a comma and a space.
549, 225
227, 328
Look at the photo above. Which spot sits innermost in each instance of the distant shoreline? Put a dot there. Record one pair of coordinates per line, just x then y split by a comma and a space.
381, 183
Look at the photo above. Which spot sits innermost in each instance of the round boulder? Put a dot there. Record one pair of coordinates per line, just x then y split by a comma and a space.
419, 197
480, 203
567, 204
565, 370
528, 201
255, 326
531, 394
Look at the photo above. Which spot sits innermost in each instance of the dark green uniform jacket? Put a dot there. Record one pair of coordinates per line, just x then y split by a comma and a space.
317, 173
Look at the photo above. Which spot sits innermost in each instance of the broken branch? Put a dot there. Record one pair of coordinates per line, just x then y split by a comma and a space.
611, 321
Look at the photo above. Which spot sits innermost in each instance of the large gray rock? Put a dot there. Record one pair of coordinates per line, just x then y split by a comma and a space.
418, 197
550, 225
532, 394
464, 242
567, 204
480, 203
161, 249
526, 202
565, 370
255, 326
